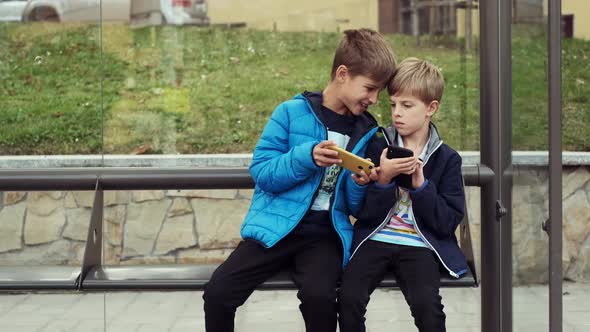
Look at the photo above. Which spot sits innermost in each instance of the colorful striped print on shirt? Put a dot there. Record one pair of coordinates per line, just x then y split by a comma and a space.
400, 227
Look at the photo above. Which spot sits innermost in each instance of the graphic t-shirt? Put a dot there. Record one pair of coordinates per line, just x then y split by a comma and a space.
317, 219
401, 227
322, 200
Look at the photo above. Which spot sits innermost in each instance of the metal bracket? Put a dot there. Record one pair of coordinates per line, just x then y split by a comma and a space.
545, 226
500, 210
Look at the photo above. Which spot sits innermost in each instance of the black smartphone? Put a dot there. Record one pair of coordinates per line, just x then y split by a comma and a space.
402, 180
398, 152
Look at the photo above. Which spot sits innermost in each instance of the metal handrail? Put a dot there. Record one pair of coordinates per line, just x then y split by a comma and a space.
131, 178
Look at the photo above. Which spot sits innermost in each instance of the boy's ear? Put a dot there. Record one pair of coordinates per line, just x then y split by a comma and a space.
432, 108
341, 73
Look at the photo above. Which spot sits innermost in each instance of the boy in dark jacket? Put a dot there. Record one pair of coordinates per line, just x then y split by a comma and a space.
298, 217
410, 230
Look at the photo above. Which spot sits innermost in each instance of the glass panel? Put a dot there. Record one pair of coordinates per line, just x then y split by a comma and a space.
42, 241
50, 102
576, 191
209, 88
191, 89
44, 228
172, 226
183, 77
530, 179
50, 81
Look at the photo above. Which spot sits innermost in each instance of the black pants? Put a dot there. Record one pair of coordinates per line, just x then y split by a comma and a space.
316, 264
417, 272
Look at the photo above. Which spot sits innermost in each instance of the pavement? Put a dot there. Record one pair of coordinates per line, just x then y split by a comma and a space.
269, 311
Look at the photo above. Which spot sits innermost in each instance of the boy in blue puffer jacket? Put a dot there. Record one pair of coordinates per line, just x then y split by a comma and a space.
411, 230
299, 215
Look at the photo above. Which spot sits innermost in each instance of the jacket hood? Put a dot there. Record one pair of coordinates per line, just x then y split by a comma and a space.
316, 98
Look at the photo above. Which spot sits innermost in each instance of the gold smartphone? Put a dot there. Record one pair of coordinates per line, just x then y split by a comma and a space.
352, 162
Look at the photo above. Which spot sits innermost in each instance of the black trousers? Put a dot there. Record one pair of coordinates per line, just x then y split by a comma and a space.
316, 264
417, 272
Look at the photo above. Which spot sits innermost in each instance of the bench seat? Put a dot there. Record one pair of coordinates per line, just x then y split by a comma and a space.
179, 277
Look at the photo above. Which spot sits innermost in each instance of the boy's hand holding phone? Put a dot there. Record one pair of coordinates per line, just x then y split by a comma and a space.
363, 178
390, 168
418, 175
327, 153
323, 156
353, 162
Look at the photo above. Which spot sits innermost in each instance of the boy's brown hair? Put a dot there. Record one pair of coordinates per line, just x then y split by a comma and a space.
365, 52
418, 78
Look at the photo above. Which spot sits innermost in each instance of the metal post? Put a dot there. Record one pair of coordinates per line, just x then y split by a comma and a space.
555, 169
505, 164
495, 146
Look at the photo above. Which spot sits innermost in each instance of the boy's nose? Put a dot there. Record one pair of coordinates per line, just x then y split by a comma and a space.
373, 97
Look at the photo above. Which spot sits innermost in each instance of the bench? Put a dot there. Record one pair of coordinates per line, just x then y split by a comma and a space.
95, 276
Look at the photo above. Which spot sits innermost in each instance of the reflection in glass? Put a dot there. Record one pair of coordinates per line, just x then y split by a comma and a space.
209, 89
191, 77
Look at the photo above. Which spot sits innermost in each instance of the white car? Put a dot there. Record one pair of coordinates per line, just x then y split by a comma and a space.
156, 11
176, 12
186, 11
12, 10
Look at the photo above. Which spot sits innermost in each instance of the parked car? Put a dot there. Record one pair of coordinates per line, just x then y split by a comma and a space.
178, 12
12, 10
75, 10
156, 11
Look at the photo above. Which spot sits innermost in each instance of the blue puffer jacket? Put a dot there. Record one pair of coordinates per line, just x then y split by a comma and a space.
287, 178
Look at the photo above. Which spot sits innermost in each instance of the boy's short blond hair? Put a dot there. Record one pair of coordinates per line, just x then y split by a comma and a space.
418, 78
365, 52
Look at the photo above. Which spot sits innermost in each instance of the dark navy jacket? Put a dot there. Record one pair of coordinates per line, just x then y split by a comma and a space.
438, 204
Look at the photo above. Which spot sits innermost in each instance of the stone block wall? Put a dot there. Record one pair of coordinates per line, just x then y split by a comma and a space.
530, 243
140, 227
202, 226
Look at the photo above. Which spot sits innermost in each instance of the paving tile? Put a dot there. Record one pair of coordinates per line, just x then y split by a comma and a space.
268, 311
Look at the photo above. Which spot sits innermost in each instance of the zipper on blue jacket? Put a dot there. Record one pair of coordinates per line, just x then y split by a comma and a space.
339, 182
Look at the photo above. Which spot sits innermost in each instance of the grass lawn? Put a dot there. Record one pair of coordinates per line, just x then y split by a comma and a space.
195, 90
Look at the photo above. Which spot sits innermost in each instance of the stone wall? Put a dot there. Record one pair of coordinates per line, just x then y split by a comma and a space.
174, 226
202, 226
530, 244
